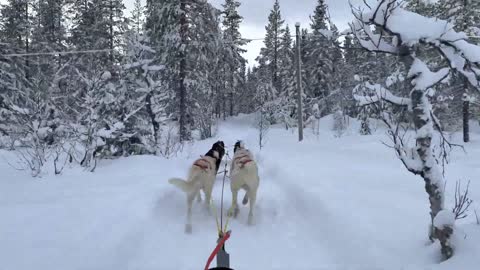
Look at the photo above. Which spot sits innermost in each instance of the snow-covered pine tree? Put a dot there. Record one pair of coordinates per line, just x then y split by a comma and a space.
49, 33
97, 116
14, 87
265, 94
248, 96
143, 104
28, 99
203, 54
16, 24
319, 61
137, 17
287, 81
98, 25
188, 46
162, 27
273, 37
233, 61
350, 71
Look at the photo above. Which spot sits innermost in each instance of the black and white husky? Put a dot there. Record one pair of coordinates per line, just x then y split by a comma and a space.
201, 176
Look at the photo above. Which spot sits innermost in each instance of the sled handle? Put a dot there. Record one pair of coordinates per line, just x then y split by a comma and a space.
220, 244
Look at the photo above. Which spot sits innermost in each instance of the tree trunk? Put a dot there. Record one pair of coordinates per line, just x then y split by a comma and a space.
434, 182
27, 42
182, 73
111, 35
466, 119
275, 60
224, 101
231, 103
153, 120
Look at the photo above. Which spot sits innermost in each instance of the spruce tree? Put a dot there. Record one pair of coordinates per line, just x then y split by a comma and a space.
137, 19
186, 38
319, 60
272, 42
233, 50
288, 91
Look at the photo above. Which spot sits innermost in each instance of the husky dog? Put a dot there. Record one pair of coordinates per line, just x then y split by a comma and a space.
219, 146
201, 176
243, 175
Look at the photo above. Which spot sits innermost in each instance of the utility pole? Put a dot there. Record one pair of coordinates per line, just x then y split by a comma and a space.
299, 85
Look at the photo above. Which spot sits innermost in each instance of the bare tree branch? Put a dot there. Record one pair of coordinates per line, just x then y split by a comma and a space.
462, 201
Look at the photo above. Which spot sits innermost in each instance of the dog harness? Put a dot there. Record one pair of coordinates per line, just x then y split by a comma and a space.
202, 163
244, 161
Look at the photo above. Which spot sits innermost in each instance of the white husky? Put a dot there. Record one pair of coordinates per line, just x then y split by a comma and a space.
201, 176
243, 175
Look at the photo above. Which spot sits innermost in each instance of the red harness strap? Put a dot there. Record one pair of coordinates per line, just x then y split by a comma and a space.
217, 249
205, 165
243, 162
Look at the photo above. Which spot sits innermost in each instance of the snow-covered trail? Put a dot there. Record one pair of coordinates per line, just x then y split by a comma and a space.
325, 203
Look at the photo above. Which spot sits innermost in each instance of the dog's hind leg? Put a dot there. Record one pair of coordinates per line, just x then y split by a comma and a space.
252, 194
233, 212
188, 225
208, 197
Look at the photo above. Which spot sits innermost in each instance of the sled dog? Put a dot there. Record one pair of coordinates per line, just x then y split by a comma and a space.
201, 176
243, 175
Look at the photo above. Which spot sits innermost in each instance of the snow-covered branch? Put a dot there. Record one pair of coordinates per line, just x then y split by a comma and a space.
423, 78
409, 29
377, 92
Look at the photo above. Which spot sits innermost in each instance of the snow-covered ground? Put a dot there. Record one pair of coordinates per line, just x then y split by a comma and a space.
326, 203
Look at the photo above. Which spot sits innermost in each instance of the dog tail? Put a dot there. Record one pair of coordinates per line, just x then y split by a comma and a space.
181, 184
245, 199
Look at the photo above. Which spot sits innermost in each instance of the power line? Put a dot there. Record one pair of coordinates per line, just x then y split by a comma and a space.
108, 50
54, 53
86, 51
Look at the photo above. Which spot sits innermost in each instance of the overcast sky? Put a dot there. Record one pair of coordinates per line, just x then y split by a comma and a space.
255, 14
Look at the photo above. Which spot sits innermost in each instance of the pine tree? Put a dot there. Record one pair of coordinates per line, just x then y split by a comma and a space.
49, 32
319, 61
98, 24
49, 35
188, 46
287, 92
233, 59
16, 28
272, 41
137, 19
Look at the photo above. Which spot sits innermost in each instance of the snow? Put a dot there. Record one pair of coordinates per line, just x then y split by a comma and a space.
410, 26
325, 203
424, 78
444, 218
106, 76
394, 78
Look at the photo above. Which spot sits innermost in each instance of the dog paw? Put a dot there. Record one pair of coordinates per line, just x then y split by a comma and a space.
188, 228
